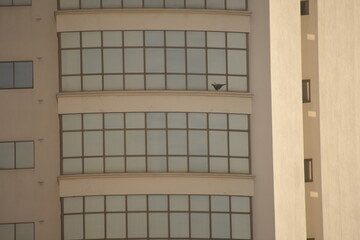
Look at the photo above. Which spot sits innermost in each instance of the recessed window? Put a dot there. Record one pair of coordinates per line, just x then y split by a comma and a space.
16, 75
144, 217
153, 60
155, 142
15, 3
306, 94
308, 168
172, 4
305, 8
17, 155
17, 231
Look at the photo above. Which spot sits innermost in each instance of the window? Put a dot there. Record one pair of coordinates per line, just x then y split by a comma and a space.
153, 60
155, 142
156, 217
174, 4
306, 94
304, 4
17, 155
16, 75
17, 231
308, 168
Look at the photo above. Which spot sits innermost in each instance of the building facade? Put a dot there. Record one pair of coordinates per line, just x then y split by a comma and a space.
178, 119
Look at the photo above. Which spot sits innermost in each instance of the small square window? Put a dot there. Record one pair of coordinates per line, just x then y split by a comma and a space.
16, 75
304, 7
306, 94
308, 168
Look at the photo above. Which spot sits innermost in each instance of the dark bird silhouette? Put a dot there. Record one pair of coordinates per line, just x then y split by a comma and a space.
217, 86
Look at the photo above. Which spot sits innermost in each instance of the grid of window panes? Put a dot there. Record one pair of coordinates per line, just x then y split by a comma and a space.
17, 231
174, 4
15, 3
153, 60
155, 142
16, 75
157, 217
16, 155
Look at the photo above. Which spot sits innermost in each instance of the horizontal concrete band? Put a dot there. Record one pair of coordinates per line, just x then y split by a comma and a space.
142, 183
152, 19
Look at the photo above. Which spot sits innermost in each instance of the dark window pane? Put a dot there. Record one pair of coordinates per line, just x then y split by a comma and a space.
23, 75
6, 75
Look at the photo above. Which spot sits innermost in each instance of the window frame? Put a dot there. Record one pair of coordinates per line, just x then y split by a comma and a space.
15, 160
17, 223
308, 170
13, 80
306, 91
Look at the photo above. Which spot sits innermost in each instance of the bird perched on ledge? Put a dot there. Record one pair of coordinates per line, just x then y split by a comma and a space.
218, 86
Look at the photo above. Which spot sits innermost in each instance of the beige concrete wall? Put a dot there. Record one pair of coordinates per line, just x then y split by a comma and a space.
31, 195
286, 105
339, 74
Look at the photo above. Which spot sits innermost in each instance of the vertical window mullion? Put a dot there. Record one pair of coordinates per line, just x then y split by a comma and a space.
186, 60
167, 142
208, 141
144, 58
165, 56
125, 155
81, 60
187, 143
226, 62
104, 155
102, 57
228, 141
146, 142
82, 144
123, 60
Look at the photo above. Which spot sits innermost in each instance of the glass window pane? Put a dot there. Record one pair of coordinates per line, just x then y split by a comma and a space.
237, 62
137, 225
215, 4
91, 39
156, 164
90, 4
200, 225
135, 164
218, 143
239, 143
197, 120
236, 40
237, 83
177, 142
69, 4
179, 203
7, 155
176, 120
70, 39
216, 61
179, 225
23, 74
216, 80
22, 2
153, 4
178, 164
70, 61
136, 203
155, 60
198, 164
134, 60
133, 38
240, 204
158, 203
73, 227
71, 83
73, 205
24, 154
154, 38
71, 122
113, 60
115, 203
199, 203
215, 39
115, 225
156, 142
155, 82
6, 75
7, 231
196, 82
155, 120
158, 224
114, 120
175, 38
236, 4
111, 3
93, 121
94, 203
72, 144
196, 61
93, 165
198, 143
114, 142
135, 120
92, 83
175, 60
220, 204
135, 142
238, 121
241, 226
217, 121
94, 226
174, 3
239, 165
72, 165
195, 4
194, 39
114, 164
113, 82
176, 82
93, 143
112, 38
91, 61
134, 82
220, 225
219, 165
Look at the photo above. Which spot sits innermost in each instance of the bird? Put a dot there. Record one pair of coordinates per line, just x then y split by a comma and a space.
217, 86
